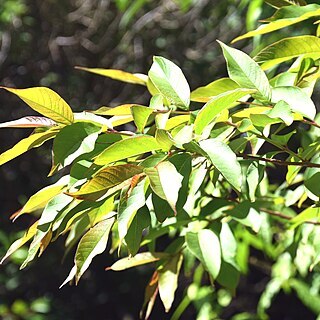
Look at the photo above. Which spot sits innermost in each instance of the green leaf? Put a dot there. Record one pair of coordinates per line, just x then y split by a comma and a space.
135, 78
108, 178
176, 121
129, 205
298, 100
73, 141
224, 159
20, 242
167, 189
216, 105
204, 94
133, 237
282, 3
284, 17
122, 110
94, 242
229, 275
311, 213
138, 260
205, 246
169, 80
140, 116
164, 139
127, 148
43, 196
45, 101
168, 280
228, 244
33, 141
246, 72
287, 49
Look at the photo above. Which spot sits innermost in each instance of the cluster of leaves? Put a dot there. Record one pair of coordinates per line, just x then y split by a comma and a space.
197, 168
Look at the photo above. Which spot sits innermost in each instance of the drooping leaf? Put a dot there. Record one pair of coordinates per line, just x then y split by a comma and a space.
282, 3
169, 80
298, 100
205, 246
94, 242
73, 141
128, 207
286, 49
135, 78
165, 187
134, 235
216, 105
168, 280
140, 116
33, 141
46, 102
284, 17
127, 148
107, 178
122, 110
20, 242
217, 87
138, 260
29, 122
224, 159
246, 72
43, 196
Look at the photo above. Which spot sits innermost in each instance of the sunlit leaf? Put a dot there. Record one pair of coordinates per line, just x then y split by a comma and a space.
170, 82
286, 49
46, 102
127, 148
29, 122
284, 17
140, 116
216, 105
204, 94
246, 72
135, 78
33, 141
224, 159
138, 260
205, 246
282, 3
167, 189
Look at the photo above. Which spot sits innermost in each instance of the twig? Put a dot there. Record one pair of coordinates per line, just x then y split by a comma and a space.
280, 162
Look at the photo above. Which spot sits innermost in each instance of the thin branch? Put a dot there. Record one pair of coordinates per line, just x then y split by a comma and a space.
311, 123
280, 162
283, 216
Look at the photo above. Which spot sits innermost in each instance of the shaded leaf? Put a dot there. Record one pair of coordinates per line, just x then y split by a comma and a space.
282, 3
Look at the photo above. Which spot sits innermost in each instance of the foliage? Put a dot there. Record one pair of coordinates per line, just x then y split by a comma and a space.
201, 176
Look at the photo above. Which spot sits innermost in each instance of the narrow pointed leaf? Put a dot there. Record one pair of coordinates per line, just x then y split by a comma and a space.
166, 182
135, 78
169, 80
168, 280
107, 178
127, 148
224, 159
33, 141
29, 122
46, 102
93, 243
216, 105
20, 242
282, 3
204, 94
284, 17
205, 246
287, 49
245, 71
138, 260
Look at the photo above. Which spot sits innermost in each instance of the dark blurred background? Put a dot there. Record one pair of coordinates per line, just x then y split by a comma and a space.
41, 41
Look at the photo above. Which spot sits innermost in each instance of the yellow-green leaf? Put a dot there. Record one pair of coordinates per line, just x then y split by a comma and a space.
46, 102
33, 141
29, 122
127, 148
135, 78
140, 116
287, 49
